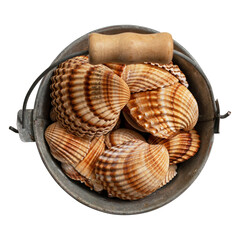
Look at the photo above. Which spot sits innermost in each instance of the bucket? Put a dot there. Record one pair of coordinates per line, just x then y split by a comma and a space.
37, 119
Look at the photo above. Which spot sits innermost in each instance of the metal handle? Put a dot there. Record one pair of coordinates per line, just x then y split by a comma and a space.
25, 130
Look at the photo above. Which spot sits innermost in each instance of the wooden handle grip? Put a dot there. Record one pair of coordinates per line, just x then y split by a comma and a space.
130, 48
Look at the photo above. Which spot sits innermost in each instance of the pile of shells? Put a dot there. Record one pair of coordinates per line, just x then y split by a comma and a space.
121, 128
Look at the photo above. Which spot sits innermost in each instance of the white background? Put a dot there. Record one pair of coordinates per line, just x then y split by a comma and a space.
32, 205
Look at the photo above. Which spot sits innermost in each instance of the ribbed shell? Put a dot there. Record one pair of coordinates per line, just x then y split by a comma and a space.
53, 115
143, 77
169, 176
174, 70
70, 171
87, 98
121, 136
180, 147
170, 67
132, 170
73, 174
66, 147
116, 68
87, 165
165, 111
130, 123
118, 124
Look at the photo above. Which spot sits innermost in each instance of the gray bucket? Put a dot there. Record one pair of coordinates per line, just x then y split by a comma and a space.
37, 120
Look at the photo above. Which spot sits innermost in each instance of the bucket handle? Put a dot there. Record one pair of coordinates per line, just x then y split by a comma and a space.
23, 128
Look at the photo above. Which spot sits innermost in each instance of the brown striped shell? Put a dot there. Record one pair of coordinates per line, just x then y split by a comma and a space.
165, 111
174, 70
87, 166
180, 147
87, 98
53, 115
118, 124
170, 67
143, 77
66, 147
130, 123
169, 176
73, 174
79, 153
132, 170
121, 136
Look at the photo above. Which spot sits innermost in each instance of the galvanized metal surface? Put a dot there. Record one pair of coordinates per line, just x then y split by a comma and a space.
187, 171
26, 134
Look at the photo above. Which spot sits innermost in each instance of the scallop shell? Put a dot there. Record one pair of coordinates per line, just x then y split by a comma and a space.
132, 170
174, 70
66, 147
181, 147
165, 111
121, 136
143, 77
169, 176
87, 98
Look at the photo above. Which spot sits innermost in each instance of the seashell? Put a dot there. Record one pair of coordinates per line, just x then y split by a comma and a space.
73, 63
87, 98
53, 115
70, 171
174, 70
66, 147
116, 68
73, 174
165, 111
132, 170
118, 124
169, 176
130, 123
87, 166
121, 136
143, 77
170, 67
181, 147
81, 154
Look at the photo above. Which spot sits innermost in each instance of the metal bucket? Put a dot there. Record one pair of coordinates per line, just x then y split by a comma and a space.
38, 119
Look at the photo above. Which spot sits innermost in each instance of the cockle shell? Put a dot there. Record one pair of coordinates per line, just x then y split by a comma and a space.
174, 70
116, 68
87, 98
121, 136
132, 170
169, 176
53, 115
66, 147
143, 77
73, 174
130, 123
87, 166
77, 152
181, 147
165, 111
118, 124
